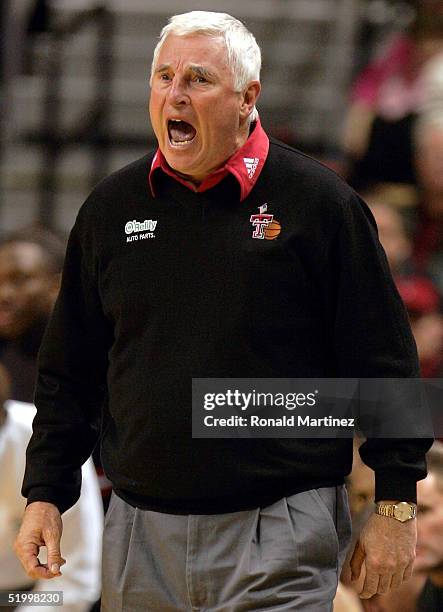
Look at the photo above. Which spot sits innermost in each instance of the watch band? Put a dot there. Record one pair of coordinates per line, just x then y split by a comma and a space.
401, 511
386, 509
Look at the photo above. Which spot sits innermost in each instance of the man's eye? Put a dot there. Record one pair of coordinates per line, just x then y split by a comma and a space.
200, 79
164, 77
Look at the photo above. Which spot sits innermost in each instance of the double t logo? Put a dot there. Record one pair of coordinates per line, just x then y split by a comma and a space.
260, 222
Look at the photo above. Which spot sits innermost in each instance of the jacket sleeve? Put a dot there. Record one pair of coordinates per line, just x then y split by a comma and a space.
71, 382
373, 339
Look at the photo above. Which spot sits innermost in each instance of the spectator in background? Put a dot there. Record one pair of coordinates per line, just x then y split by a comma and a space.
31, 261
422, 302
429, 559
419, 294
393, 236
428, 247
385, 99
83, 523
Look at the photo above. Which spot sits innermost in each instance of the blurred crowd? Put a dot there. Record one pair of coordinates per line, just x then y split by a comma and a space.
393, 146
30, 268
393, 143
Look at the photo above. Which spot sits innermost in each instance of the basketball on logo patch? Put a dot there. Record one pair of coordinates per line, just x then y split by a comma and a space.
272, 230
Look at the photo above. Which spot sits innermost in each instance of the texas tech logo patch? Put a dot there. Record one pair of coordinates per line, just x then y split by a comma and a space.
265, 226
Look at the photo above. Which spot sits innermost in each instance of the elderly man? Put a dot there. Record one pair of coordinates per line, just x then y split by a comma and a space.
221, 255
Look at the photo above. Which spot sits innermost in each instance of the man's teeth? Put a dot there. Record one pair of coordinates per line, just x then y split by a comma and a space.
180, 132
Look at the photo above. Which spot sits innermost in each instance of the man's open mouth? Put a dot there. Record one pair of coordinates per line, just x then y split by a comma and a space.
180, 132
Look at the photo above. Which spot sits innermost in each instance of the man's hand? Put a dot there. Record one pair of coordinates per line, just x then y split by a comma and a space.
41, 526
387, 548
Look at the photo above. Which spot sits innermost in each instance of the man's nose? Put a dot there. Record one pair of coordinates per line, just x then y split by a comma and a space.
178, 95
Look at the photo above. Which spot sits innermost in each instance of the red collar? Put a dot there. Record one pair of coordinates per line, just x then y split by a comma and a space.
246, 165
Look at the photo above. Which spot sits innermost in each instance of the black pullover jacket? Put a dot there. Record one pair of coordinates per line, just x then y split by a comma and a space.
196, 296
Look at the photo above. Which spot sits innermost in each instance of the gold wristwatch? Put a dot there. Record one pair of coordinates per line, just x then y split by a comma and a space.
402, 511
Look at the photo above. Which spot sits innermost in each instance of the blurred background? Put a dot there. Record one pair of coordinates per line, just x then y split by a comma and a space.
74, 81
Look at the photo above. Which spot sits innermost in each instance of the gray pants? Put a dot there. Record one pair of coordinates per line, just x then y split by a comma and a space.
286, 556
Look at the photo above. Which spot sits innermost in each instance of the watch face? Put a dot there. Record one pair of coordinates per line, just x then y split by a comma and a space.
402, 511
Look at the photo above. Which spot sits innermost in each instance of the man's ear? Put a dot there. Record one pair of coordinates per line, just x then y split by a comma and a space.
249, 99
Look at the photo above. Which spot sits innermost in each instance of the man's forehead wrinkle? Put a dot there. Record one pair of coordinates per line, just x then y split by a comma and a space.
199, 51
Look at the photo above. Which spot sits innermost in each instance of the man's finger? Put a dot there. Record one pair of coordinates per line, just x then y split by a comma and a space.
29, 562
27, 553
370, 585
42, 572
357, 561
34, 568
384, 583
397, 580
41, 526
54, 564
55, 560
38, 570
408, 571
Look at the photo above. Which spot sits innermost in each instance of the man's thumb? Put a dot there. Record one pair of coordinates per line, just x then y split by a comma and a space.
55, 560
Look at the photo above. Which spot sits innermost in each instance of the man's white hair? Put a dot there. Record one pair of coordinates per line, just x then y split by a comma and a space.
244, 57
